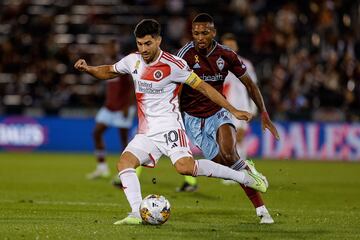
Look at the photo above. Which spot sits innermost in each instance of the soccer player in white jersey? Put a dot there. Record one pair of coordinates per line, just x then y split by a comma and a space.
157, 77
236, 93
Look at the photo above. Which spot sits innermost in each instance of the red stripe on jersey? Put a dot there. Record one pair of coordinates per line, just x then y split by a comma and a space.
170, 56
176, 62
175, 93
173, 60
141, 113
152, 160
184, 136
181, 138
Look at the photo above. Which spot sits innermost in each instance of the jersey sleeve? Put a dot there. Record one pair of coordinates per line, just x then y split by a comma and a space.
181, 71
237, 67
122, 66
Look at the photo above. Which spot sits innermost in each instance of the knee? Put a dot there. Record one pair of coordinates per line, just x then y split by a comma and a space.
127, 160
185, 166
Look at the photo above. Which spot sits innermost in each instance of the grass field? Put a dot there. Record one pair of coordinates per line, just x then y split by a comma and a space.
46, 196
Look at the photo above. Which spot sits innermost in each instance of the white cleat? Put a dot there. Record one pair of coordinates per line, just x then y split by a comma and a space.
264, 215
98, 173
266, 219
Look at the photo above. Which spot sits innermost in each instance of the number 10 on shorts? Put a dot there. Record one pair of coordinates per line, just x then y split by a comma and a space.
176, 138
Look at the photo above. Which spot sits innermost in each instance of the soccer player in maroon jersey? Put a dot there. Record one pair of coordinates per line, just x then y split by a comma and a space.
119, 112
208, 125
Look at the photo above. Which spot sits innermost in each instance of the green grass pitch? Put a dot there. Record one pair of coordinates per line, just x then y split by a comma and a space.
46, 196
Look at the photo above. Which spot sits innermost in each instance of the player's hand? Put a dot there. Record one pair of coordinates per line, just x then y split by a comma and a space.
266, 123
242, 115
81, 65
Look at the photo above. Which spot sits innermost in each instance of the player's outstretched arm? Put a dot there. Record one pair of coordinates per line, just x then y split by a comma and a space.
195, 82
102, 72
256, 96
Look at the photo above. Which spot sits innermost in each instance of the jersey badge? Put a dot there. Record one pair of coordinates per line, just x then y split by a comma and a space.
196, 65
220, 63
136, 67
158, 74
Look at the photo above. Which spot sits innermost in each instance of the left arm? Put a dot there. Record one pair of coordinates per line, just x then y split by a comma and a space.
256, 96
254, 92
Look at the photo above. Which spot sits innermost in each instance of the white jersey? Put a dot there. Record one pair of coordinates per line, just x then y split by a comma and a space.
156, 86
236, 92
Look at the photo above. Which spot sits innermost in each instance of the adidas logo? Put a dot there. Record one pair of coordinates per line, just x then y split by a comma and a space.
174, 145
135, 71
196, 65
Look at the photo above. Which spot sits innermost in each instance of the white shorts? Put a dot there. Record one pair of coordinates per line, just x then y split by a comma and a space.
116, 119
148, 149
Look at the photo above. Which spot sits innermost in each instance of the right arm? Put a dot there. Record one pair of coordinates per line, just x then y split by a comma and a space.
195, 82
102, 72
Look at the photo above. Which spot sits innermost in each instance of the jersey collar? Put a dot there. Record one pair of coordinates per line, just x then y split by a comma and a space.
154, 62
212, 50
215, 43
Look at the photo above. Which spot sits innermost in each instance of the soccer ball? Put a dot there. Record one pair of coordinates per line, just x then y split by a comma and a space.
155, 209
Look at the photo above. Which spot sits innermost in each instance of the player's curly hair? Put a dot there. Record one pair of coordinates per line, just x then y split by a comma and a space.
147, 27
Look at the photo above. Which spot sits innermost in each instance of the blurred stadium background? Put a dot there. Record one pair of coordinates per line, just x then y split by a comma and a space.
307, 59
306, 55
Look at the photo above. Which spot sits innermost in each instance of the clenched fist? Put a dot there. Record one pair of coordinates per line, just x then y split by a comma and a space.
242, 115
81, 65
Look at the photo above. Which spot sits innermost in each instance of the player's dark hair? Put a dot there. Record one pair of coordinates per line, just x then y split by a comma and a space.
147, 27
228, 36
203, 17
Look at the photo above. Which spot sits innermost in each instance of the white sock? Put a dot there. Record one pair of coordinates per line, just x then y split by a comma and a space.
208, 168
132, 190
261, 210
103, 166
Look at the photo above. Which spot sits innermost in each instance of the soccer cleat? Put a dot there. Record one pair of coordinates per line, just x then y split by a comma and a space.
256, 182
266, 219
264, 215
186, 187
228, 182
98, 174
131, 219
251, 165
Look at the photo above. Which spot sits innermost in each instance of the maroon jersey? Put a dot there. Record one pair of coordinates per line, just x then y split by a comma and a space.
119, 93
211, 68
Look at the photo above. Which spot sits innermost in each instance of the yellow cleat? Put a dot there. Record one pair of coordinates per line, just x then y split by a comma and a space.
257, 183
129, 220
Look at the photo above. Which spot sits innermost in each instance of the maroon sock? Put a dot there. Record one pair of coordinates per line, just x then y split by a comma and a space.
100, 156
254, 196
101, 159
